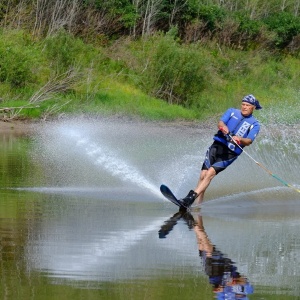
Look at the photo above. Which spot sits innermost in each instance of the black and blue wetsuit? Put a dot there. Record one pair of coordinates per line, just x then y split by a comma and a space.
224, 152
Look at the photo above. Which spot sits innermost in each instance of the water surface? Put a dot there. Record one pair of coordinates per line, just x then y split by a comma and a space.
82, 217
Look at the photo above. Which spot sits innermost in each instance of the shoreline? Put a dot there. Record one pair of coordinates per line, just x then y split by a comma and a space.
26, 126
16, 127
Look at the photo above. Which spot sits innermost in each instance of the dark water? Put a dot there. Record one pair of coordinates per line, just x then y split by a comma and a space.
81, 216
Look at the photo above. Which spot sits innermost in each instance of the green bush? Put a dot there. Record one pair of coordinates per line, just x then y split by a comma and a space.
16, 59
14, 67
176, 73
285, 25
248, 30
122, 10
211, 15
65, 51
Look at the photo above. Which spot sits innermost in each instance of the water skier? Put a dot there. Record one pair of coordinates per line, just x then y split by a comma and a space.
242, 126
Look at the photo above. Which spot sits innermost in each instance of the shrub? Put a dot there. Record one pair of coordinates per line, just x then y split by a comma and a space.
16, 60
175, 73
211, 15
64, 51
248, 31
286, 27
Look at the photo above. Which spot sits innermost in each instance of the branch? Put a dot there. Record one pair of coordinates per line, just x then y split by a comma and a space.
14, 111
59, 83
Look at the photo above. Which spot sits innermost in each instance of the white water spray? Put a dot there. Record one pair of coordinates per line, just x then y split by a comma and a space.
145, 155
111, 162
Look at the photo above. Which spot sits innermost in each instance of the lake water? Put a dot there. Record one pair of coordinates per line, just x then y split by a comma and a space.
81, 215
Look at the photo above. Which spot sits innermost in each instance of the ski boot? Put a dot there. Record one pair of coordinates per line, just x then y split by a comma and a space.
189, 199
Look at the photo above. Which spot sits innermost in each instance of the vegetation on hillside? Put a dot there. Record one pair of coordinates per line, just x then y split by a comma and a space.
240, 24
185, 59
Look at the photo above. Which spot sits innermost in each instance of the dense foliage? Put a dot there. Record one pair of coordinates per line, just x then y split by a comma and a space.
235, 23
186, 52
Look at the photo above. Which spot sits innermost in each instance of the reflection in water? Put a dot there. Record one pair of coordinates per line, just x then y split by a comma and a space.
226, 281
169, 224
81, 211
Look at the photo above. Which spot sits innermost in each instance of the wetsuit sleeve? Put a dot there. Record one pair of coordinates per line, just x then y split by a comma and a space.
227, 115
253, 131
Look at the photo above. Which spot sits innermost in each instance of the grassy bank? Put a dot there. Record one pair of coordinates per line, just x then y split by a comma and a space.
154, 79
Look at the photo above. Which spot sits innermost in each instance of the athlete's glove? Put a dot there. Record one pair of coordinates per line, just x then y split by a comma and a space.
224, 131
237, 141
229, 136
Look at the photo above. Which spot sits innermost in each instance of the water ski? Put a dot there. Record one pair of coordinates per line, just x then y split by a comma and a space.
170, 196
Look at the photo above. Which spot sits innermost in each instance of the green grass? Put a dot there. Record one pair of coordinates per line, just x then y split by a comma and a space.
115, 80
125, 99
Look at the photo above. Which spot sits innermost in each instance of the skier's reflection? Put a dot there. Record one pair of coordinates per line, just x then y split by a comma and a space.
227, 282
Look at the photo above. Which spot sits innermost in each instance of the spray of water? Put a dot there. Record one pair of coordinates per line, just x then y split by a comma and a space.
105, 158
146, 155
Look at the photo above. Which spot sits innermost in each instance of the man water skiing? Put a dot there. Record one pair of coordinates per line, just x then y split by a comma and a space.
239, 124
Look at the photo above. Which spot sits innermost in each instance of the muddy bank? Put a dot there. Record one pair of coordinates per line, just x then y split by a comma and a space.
16, 127
24, 127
